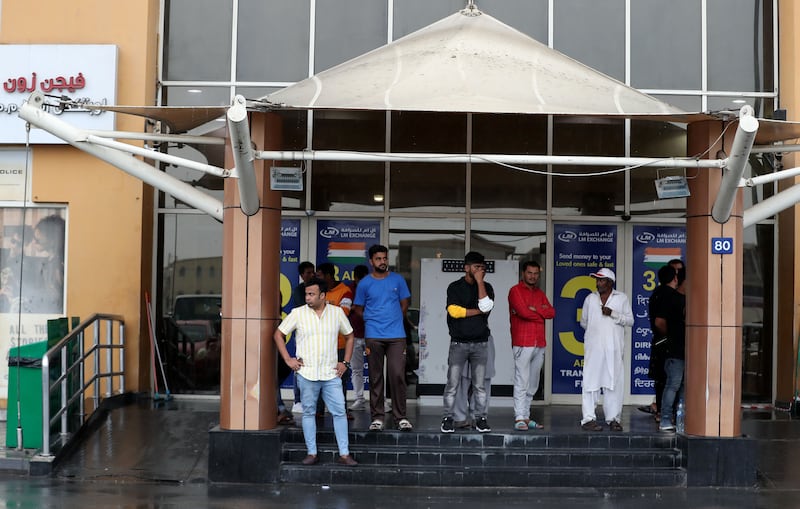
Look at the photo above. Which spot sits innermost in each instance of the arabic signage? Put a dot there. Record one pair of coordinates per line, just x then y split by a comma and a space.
85, 74
653, 247
579, 250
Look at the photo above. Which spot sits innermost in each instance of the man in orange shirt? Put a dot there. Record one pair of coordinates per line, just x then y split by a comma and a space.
529, 308
339, 294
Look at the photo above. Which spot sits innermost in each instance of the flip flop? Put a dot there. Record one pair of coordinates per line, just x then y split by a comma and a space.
648, 409
521, 426
534, 425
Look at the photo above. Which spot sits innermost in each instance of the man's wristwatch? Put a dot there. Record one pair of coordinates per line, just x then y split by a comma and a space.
346, 364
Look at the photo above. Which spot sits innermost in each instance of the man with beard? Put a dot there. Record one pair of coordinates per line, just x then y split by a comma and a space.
382, 299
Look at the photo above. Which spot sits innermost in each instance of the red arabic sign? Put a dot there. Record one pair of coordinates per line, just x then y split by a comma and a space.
21, 84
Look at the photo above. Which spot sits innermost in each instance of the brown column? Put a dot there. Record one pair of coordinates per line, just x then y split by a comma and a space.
788, 278
713, 298
250, 294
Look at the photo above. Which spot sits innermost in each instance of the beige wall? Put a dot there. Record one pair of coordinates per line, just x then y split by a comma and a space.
110, 214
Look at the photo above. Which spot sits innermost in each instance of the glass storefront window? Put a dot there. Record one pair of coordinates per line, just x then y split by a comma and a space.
595, 195
190, 301
272, 40
356, 18
660, 58
655, 139
737, 30
411, 15
32, 262
601, 26
411, 239
758, 265
346, 185
503, 188
197, 40
428, 186
510, 239
690, 103
527, 16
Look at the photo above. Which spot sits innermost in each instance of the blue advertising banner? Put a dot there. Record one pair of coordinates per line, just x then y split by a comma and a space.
290, 258
578, 251
345, 245
653, 247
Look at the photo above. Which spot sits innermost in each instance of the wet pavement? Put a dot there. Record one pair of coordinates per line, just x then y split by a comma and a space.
149, 455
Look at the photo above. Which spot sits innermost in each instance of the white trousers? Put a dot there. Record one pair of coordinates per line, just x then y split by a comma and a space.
612, 404
528, 362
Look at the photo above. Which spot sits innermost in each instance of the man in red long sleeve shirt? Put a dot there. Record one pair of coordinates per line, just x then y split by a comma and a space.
529, 308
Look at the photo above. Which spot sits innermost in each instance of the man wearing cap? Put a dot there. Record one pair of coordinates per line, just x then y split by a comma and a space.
469, 302
604, 317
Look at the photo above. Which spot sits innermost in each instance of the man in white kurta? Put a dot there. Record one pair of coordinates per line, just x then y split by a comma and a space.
605, 315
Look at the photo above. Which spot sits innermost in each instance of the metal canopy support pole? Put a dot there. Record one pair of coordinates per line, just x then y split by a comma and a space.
333, 155
732, 175
772, 206
31, 111
243, 155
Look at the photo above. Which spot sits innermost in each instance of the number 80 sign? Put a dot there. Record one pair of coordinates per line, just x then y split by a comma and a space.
721, 245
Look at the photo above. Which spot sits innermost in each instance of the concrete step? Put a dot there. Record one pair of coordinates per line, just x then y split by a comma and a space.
492, 459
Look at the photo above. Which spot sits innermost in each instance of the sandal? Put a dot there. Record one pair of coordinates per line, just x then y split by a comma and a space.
534, 425
521, 425
615, 426
591, 426
377, 425
405, 425
285, 419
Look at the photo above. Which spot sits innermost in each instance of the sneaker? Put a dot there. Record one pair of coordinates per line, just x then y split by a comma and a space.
667, 427
359, 404
447, 425
482, 426
297, 408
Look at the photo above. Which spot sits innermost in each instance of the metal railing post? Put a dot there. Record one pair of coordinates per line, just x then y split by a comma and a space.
109, 355
72, 380
45, 406
122, 358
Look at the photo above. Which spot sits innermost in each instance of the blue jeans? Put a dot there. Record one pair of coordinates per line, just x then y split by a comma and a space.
331, 391
672, 389
477, 354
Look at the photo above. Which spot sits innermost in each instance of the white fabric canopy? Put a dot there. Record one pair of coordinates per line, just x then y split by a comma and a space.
471, 63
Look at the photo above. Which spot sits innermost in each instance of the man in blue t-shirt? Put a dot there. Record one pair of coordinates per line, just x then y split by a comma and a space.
382, 299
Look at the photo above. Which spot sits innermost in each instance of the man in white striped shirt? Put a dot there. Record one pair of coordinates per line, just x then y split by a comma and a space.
318, 325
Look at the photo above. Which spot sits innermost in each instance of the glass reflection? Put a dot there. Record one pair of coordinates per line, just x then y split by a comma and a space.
656, 139
190, 301
595, 195
411, 239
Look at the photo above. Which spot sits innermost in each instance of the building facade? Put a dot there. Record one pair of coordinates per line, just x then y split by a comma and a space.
204, 52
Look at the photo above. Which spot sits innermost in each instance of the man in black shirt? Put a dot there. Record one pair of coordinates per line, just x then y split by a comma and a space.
669, 320
469, 302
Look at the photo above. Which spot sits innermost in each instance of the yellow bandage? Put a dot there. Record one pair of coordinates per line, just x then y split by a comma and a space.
456, 311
